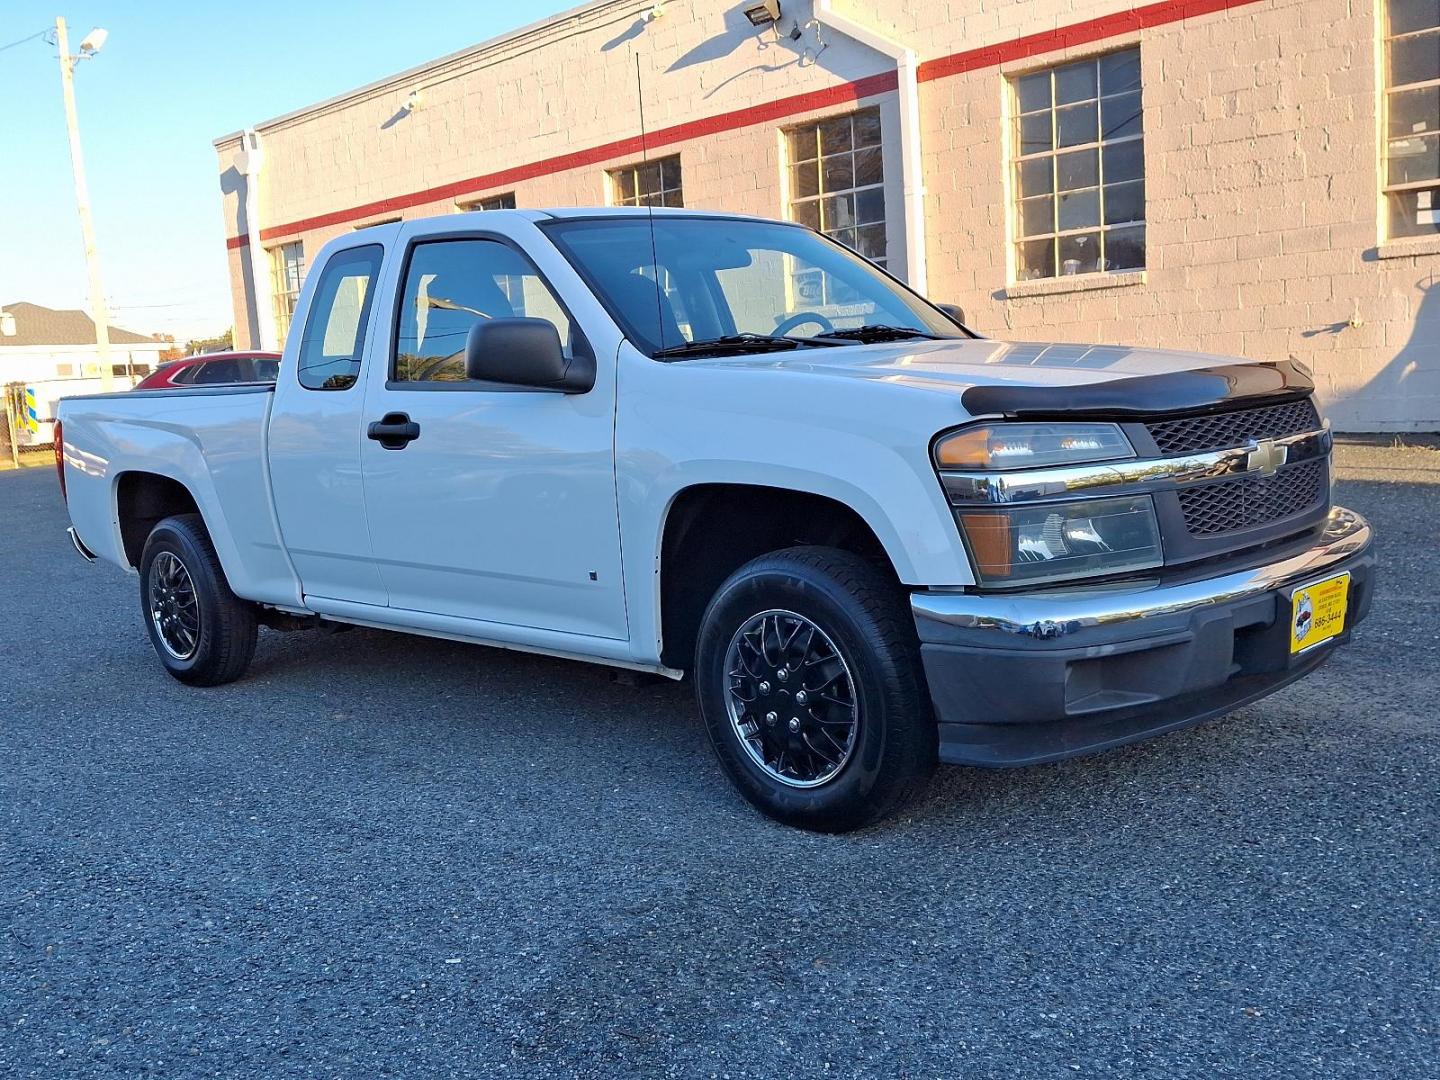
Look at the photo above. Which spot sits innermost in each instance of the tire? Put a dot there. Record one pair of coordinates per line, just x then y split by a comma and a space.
823, 775
211, 641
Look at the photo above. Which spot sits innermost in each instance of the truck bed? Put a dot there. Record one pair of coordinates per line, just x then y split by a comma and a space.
209, 439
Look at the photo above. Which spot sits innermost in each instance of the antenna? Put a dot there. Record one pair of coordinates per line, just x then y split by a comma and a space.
650, 205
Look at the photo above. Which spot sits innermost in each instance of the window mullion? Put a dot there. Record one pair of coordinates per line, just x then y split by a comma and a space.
1411, 33
1055, 196
1103, 263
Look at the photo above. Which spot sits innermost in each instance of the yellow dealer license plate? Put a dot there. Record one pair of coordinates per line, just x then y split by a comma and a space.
1317, 612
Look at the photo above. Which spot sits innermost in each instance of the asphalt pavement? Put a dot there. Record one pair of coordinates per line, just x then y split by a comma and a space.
386, 856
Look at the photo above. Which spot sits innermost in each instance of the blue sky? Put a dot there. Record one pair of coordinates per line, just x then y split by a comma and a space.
171, 78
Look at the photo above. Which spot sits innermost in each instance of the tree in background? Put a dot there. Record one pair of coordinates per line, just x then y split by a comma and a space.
224, 343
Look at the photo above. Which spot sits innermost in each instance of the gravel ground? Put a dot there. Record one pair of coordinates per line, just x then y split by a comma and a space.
385, 856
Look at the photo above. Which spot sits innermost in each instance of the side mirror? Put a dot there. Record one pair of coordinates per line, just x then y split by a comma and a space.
955, 311
525, 352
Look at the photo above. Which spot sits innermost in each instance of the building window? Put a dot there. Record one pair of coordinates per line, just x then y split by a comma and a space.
287, 269
1412, 109
1079, 166
492, 202
648, 183
837, 181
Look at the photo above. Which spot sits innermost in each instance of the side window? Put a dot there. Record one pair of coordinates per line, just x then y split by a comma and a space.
334, 341
452, 284
219, 371
186, 375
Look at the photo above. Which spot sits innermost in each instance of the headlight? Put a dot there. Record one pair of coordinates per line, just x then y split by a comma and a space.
1029, 446
1054, 541
1052, 538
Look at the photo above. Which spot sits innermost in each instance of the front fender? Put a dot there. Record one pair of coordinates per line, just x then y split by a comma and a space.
865, 446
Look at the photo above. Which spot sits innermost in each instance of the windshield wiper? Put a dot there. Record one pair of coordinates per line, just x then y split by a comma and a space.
729, 343
872, 332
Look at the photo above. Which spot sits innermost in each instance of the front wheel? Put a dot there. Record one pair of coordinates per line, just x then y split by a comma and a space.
202, 632
808, 676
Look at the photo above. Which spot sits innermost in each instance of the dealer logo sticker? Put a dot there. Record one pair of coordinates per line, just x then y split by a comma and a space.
1304, 616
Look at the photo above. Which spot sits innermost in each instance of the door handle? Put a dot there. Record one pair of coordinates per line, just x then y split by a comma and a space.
394, 431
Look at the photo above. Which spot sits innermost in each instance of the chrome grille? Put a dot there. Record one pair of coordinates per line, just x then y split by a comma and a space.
1223, 430
1249, 502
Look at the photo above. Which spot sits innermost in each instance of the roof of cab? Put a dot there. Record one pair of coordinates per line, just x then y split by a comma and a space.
643, 211
462, 221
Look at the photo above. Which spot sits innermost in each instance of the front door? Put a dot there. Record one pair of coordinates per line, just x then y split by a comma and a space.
489, 502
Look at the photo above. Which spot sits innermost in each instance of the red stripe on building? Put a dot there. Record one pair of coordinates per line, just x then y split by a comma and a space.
832, 96
1065, 37
1108, 26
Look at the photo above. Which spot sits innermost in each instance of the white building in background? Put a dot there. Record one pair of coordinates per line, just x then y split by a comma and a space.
1256, 178
40, 344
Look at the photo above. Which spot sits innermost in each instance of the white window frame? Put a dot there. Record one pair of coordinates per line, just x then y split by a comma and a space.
659, 197
822, 194
1420, 188
1018, 238
504, 200
284, 291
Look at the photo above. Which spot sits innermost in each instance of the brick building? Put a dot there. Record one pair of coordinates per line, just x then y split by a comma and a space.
1247, 177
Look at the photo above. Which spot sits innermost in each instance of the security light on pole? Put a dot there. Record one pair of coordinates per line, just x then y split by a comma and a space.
91, 44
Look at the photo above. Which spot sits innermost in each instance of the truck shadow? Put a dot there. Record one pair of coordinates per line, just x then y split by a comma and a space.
423, 705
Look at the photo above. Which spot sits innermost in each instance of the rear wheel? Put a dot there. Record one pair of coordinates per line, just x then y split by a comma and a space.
808, 676
202, 632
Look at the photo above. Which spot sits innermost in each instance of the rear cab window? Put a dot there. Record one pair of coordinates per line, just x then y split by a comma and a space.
334, 341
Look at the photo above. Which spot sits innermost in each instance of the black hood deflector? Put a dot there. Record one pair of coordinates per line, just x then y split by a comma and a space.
1214, 389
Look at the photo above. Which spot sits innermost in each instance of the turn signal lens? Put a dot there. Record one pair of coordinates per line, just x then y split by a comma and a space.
1027, 446
1058, 541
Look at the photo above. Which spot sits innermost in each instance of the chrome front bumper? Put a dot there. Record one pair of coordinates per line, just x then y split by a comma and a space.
1069, 616
1018, 678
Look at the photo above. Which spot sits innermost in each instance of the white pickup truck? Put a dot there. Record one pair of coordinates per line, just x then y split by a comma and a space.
690, 443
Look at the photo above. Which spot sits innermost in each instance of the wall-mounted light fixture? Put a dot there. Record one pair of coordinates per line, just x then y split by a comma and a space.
415, 100
764, 14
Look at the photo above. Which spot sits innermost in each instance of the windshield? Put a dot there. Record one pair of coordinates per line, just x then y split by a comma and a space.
736, 283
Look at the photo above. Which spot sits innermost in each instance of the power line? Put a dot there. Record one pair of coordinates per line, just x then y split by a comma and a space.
23, 40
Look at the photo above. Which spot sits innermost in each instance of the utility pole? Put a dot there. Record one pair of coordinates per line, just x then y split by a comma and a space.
82, 197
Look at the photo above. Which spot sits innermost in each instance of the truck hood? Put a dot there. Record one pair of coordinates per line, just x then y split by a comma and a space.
1017, 378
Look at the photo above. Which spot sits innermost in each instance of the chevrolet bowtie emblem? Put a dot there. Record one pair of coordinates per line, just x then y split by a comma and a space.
1266, 456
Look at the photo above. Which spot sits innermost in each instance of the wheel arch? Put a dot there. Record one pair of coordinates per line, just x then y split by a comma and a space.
701, 545
142, 500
